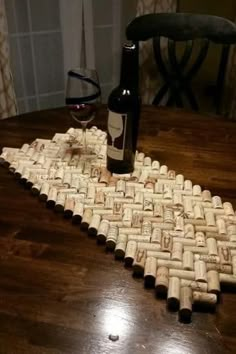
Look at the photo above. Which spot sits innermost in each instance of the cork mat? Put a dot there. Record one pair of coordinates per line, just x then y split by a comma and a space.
178, 237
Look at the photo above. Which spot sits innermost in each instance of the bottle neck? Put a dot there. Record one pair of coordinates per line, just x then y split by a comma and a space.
129, 67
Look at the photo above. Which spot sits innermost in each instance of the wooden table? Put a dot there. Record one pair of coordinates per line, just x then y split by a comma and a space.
62, 293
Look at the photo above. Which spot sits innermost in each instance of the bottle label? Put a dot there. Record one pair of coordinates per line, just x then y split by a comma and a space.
116, 135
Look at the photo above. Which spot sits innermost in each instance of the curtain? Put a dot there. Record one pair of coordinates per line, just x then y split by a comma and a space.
229, 96
8, 105
77, 34
149, 77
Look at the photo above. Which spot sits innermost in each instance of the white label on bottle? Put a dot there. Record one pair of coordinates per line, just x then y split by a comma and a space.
116, 135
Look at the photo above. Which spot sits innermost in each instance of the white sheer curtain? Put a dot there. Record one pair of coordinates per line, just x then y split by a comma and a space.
7, 95
149, 76
77, 33
91, 33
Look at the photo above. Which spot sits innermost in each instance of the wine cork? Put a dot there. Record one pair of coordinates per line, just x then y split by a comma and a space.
169, 264
179, 223
219, 267
194, 285
120, 186
105, 176
189, 231
198, 212
67, 179
212, 246
231, 245
109, 203
147, 245
204, 228
147, 204
178, 199
155, 165
91, 192
130, 230
197, 190
120, 246
210, 218
200, 271
86, 219
130, 253
173, 295
112, 236
185, 307
118, 208
52, 197
228, 209
158, 210
69, 206
182, 274
231, 231
206, 195
59, 173
103, 231
217, 203
167, 192
139, 262
207, 258
213, 282
112, 182
188, 185
159, 188
140, 157
99, 198
137, 220
166, 242
135, 175
163, 170
162, 281
35, 189
129, 192
177, 251
139, 238
171, 174
201, 299
188, 260
60, 202
147, 161
127, 217
138, 199
221, 226
146, 228
179, 180
168, 216
228, 279
94, 225
44, 191
150, 271
78, 212
200, 239
156, 235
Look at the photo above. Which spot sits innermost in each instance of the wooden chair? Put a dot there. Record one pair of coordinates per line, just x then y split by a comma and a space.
187, 28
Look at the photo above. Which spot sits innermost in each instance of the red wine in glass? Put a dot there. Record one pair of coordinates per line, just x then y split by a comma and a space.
84, 112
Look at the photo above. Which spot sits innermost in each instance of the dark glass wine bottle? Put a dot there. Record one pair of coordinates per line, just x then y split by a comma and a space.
123, 115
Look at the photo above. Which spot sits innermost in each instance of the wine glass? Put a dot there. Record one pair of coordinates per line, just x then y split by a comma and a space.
83, 94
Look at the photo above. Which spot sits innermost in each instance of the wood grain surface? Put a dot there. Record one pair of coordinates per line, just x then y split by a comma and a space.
60, 292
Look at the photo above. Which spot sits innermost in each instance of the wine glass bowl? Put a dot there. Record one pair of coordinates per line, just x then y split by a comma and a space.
83, 94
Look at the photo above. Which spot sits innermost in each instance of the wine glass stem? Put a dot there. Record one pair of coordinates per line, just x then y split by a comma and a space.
84, 126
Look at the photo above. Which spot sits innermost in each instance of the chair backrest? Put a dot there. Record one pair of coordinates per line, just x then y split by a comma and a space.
183, 27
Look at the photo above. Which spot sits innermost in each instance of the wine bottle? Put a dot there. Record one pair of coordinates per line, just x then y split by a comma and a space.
123, 115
